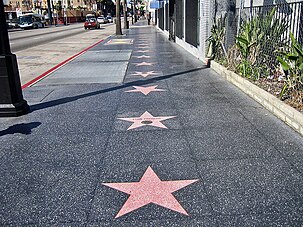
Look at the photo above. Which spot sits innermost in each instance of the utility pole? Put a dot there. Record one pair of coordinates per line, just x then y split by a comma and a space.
251, 9
49, 11
118, 18
135, 16
12, 103
126, 26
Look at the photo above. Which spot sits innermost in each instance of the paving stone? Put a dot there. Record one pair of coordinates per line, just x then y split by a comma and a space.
203, 221
108, 202
252, 186
277, 219
142, 146
223, 142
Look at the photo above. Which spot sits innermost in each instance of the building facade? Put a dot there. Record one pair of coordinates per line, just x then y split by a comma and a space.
189, 22
71, 7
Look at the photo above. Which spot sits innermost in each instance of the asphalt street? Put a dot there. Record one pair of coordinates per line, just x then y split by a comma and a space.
24, 39
137, 132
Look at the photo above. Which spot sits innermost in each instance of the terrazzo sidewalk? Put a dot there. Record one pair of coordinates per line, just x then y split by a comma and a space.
137, 132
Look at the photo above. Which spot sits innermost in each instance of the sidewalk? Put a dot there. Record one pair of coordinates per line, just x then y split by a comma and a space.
138, 108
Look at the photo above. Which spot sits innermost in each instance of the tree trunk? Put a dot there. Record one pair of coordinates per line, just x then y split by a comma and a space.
118, 18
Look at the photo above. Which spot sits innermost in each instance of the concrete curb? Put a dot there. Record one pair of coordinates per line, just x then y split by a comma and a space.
286, 113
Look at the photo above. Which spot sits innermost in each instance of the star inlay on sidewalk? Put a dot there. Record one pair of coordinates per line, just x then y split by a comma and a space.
146, 119
144, 63
142, 56
145, 90
143, 47
142, 51
145, 74
150, 189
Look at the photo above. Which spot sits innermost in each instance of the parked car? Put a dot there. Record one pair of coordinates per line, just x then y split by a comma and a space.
13, 23
101, 20
90, 23
109, 19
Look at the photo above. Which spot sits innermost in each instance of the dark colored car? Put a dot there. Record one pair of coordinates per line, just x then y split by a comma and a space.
90, 23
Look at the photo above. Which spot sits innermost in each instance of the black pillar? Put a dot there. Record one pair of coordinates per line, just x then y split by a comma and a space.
12, 103
126, 25
135, 10
49, 11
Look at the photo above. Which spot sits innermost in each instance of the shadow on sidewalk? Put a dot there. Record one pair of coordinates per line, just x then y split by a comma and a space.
25, 129
134, 83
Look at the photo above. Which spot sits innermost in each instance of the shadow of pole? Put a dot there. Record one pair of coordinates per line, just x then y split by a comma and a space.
134, 83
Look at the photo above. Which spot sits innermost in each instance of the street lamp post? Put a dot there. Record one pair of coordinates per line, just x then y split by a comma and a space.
12, 103
135, 11
49, 11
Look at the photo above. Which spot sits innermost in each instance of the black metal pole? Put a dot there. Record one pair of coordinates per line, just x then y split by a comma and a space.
132, 10
126, 26
49, 11
135, 15
12, 103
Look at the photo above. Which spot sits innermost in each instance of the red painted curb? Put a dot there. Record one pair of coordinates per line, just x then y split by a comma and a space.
43, 75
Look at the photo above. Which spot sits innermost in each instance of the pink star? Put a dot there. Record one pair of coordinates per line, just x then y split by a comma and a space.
143, 47
143, 63
142, 56
145, 74
142, 51
146, 119
150, 189
145, 90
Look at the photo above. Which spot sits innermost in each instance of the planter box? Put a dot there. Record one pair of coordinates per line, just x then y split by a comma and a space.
286, 113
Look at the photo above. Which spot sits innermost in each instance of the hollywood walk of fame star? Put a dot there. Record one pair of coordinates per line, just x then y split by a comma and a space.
146, 119
142, 51
143, 47
145, 90
150, 189
144, 63
142, 56
145, 74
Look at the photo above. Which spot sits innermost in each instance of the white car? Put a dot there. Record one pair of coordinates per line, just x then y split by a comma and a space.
109, 19
101, 20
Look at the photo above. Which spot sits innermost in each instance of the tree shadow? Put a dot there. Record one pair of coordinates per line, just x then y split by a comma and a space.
126, 85
23, 128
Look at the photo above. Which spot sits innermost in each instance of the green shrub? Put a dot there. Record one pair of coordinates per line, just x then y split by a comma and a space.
292, 65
